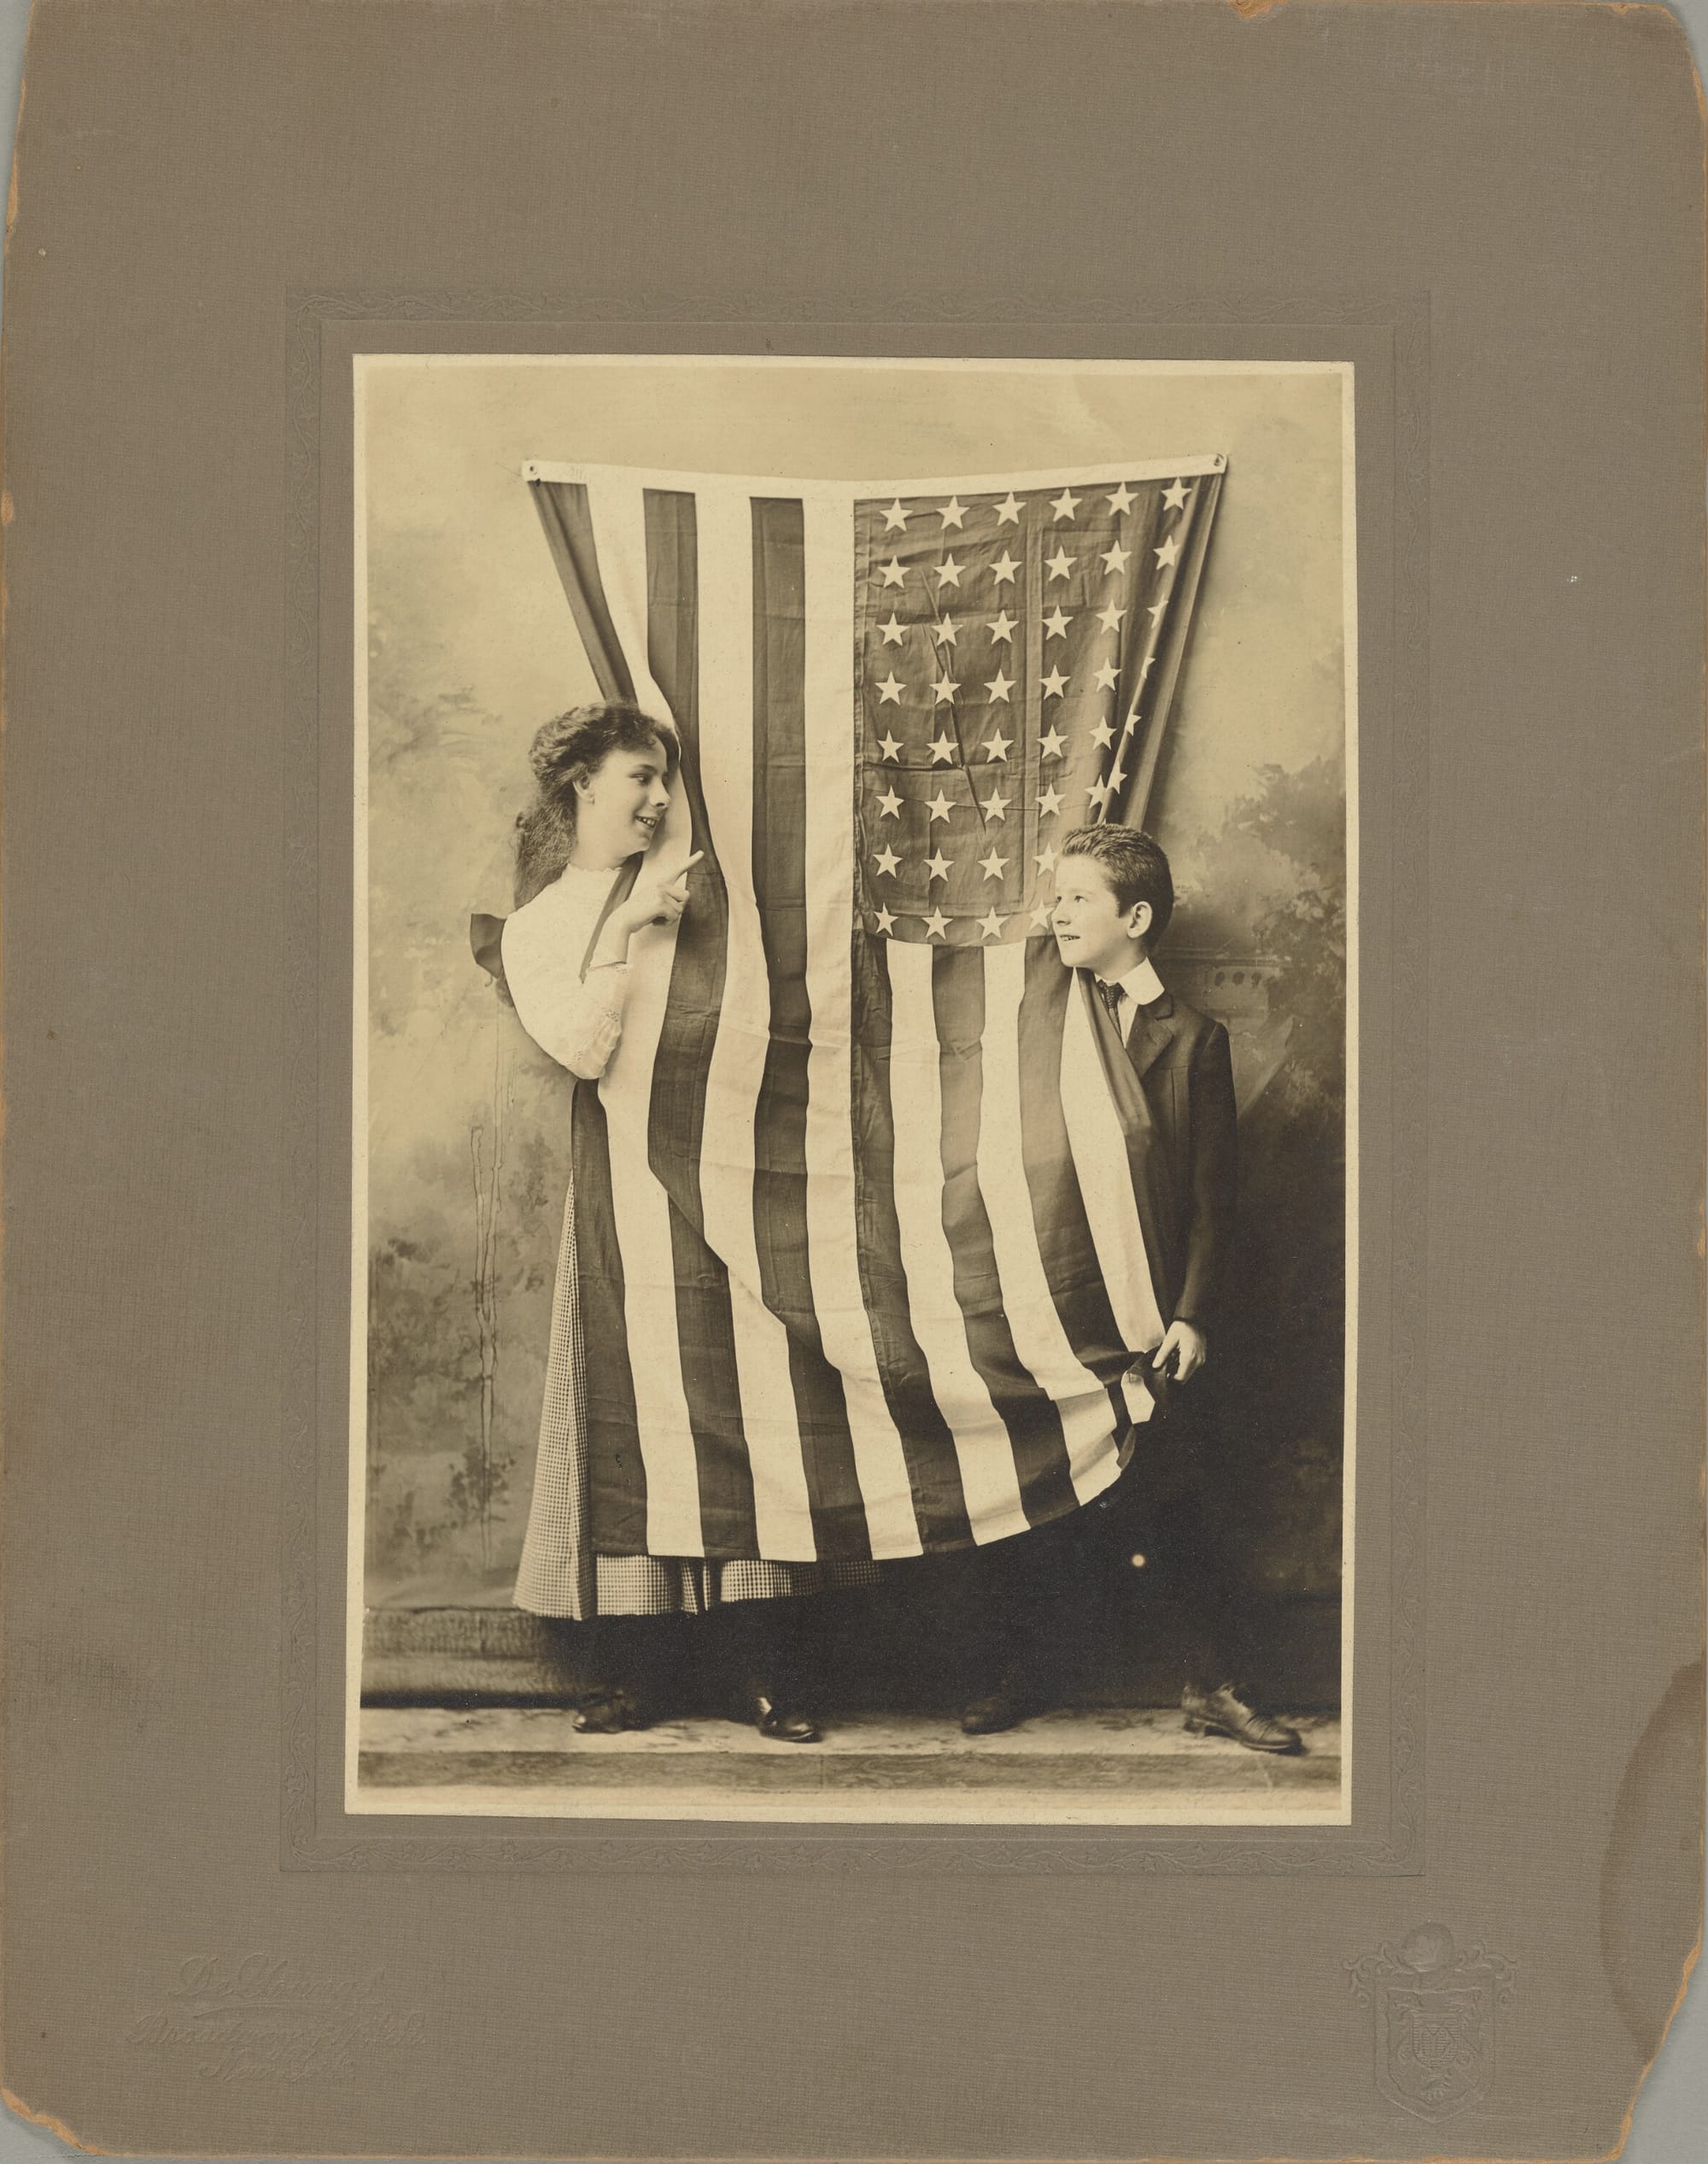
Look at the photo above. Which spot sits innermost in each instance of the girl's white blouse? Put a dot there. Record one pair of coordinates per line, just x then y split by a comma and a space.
577, 1019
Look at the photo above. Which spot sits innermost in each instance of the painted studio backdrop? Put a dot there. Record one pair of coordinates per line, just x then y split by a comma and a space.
1219, 583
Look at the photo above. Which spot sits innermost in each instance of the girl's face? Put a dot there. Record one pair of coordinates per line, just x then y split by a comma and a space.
621, 805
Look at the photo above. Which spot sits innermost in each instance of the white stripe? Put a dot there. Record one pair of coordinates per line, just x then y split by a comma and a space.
639, 1204
989, 1480
1039, 1339
1099, 1149
838, 1297
781, 1505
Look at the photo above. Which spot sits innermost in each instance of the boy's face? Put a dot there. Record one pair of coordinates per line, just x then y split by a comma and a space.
1091, 931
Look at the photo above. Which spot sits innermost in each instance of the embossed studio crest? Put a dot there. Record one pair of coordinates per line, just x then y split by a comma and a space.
261, 2017
1434, 2012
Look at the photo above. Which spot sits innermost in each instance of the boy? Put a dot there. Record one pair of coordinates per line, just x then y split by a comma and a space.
1113, 898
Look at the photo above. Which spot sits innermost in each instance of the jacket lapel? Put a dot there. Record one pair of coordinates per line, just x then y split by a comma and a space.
1154, 1030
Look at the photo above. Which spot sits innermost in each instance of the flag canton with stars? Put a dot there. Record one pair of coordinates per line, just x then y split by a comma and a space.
1004, 648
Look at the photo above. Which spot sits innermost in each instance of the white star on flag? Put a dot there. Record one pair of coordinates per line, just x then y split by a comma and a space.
1000, 686
937, 926
1052, 744
1060, 564
991, 925
1055, 624
943, 750
1106, 678
1110, 618
995, 805
1174, 496
1007, 511
890, 746
943, 691
1066, 504
1097, 792
1121, 502
945, 631
891, 690
1002, 627
939, 865
994, 865
1049, 803
1045, 860
1117, 775
894, 516
938, 807
893, 571
1003, 569
890, 804
891, 630
1115, 560
952, 513
887, 861
996, 745
887, 922
1040, 916
948, 574
1155, 610
1055, 684
1169, 552
1103, 735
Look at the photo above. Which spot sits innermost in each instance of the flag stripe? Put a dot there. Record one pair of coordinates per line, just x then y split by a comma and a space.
617, 1476
565, 514
677, 1121
781, 783
641, 1206
1027, 1411
1063, 1231
839, 1297
939, 1503
1040, 1339
1099, 1145
989, 1480
735, 1066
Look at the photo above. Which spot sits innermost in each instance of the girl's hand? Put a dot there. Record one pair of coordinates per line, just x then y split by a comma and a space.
660, 900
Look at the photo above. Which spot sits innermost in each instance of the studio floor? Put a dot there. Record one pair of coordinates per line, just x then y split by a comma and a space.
1103, 1764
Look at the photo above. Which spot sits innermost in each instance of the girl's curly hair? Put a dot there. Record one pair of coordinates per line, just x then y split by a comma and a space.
568, 749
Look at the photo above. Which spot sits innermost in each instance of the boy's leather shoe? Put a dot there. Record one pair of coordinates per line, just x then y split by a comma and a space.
1223, 1712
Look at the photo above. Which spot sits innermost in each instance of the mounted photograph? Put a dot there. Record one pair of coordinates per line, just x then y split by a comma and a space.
854, 1090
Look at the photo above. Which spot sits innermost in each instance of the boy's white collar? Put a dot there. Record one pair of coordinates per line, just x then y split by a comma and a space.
1142, 985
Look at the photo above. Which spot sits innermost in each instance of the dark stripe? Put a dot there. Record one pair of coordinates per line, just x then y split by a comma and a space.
568, 520
939, 1506
779, 1220
616, 1480
675, 1124
1058, 1208
1029, 1414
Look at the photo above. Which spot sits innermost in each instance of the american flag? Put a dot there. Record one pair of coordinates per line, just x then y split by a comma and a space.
868, 1235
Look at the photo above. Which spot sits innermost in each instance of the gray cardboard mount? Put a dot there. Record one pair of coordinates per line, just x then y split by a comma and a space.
1497, 213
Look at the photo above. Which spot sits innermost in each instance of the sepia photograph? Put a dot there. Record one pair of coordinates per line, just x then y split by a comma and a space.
855, 1114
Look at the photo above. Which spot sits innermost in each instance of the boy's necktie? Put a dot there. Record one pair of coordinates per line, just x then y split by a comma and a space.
1112, 996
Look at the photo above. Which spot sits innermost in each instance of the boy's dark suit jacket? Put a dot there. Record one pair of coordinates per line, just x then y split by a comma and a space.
1185, 1068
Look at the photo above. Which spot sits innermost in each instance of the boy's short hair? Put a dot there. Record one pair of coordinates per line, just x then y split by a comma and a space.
1135, 867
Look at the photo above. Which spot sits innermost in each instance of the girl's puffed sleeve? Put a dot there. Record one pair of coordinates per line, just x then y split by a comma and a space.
577, 1020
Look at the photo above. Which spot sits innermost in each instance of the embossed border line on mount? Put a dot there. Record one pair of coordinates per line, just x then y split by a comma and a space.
640, 1846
